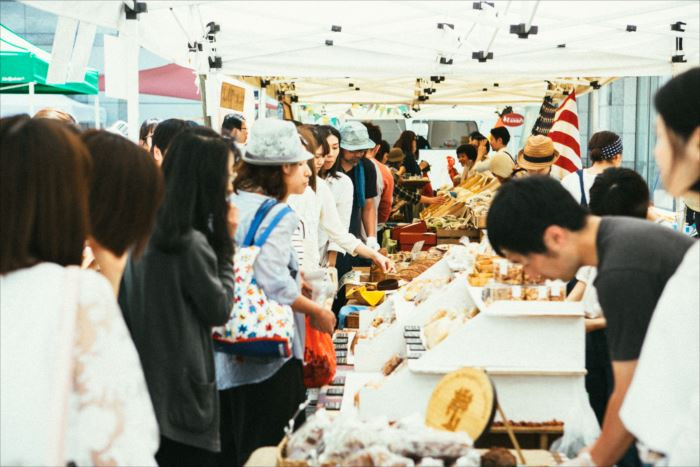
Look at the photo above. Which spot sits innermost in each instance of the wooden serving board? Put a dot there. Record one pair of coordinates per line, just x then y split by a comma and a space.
463, 400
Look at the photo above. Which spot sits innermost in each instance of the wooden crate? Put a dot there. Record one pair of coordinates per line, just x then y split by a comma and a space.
457, 233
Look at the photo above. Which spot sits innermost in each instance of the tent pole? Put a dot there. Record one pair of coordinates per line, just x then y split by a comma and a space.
132, 78
595, 112
262, 102
31, 98
206, 119
97, 111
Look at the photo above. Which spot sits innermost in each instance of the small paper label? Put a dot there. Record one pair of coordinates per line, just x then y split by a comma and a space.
417, 247
542, 292
556, 291
503, 266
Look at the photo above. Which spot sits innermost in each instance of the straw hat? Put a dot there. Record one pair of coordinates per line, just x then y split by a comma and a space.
538, 153
502, 165
395, 155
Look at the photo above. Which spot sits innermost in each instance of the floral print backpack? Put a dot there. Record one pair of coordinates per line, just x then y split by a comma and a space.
258, 326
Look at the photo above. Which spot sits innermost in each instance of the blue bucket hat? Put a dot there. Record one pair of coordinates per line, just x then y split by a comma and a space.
354, 136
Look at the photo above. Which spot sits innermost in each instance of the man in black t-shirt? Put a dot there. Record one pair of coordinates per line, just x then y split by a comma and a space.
354, 143
534, 221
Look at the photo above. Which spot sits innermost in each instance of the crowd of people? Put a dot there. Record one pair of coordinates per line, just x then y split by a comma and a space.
119, 259
638, 280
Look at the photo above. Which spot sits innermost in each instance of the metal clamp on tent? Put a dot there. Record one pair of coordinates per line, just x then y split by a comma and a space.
678, 57
481, 56
138, 8
478, 5
521, 31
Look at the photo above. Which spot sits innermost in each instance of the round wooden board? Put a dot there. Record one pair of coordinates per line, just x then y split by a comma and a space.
464, 400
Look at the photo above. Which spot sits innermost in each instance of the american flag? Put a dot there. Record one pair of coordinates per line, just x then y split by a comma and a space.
565, 135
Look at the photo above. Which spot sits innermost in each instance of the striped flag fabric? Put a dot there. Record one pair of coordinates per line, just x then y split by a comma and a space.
565, 135
546, 118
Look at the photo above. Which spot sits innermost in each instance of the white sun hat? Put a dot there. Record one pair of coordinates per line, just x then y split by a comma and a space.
274, 142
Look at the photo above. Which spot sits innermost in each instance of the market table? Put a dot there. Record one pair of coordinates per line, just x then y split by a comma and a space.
267, 456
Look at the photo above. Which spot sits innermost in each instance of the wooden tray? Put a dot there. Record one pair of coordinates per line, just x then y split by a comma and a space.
415, 183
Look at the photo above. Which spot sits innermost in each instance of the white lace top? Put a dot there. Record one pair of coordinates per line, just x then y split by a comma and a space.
72, 384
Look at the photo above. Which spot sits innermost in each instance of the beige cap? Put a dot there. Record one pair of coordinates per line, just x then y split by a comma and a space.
396, 155
502, 165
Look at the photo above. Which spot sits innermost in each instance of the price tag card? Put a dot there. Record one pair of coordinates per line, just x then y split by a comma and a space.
417, 247
338, 381
335, 391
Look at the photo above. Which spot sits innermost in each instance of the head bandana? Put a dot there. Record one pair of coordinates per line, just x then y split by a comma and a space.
612, 149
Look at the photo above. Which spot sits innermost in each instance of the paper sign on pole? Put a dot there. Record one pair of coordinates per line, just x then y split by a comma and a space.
61, 50
81, 52
115, 56
232, 97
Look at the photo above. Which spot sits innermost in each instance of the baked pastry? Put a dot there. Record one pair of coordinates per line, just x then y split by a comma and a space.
484, 267
535, 293
377, 321
557, 292
430, 462
391, 365
506, 272
428, 442
479, 279
550, 423
498, 457
377, 456
307, 441
532, 280
354, 342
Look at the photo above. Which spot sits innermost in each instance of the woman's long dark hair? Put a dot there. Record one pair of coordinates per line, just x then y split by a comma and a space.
196, 175
322, 134
405, 142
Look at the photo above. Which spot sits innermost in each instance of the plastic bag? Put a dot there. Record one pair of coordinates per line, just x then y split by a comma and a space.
319, 353
581, 427
319, 358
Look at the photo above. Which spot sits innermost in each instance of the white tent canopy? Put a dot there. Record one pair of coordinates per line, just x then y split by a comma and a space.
382, 47
405, 38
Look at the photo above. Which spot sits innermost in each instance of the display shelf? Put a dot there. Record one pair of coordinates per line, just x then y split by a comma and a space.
354, 381
524, 395
525, 308
534, 353
440, 269
528, 342
371, 354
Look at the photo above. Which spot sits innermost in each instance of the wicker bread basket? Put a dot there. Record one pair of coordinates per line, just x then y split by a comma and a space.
282, 461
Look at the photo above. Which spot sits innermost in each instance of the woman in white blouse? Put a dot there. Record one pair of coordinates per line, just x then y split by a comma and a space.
662, 405
340, 186
317, 209
72, 384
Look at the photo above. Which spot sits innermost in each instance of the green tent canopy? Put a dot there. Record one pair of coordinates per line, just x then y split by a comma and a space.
22, 63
